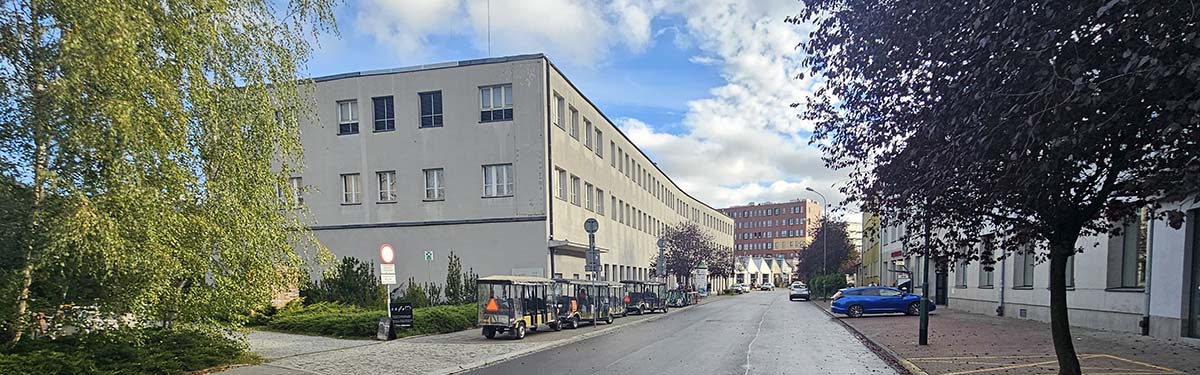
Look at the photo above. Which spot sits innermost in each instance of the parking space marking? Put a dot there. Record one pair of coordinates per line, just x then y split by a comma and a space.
1088, 363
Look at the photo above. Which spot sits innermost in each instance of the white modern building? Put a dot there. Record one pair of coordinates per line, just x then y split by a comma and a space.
756, 270
498, 160
1145, 281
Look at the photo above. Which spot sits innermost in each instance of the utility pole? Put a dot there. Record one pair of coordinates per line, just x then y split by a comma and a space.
923, 331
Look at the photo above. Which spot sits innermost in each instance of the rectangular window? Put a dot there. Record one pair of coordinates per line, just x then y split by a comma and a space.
351, 189
599, 143
431, 109
960, 275
620, 207
1133, 252
561, 110
587, 133
620, 164
347, 117
495, 103
612, 154
1023, 270
985, 275
589, 197
297, 195
574, 190
1070, 271
387, 186
385, 113
574, 123
497, 180
435, 189
600, 202
562, 183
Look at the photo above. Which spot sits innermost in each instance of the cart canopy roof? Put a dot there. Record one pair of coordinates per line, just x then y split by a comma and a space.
642, 282
581, 282
521, 280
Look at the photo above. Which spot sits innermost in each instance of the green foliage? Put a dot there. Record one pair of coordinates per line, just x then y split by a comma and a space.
687, 246
127, 351
455, 290
352, 282
328, 319
841, 256
332, 319
824, 286
147, 137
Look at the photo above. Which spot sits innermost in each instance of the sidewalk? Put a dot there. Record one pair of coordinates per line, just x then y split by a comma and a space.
965, 343
290, 354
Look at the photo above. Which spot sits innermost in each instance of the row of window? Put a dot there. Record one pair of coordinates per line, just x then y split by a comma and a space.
755, 246
772, 234
567, 118
497, 182
591, 198
495, 104
1126, 262
770, 223
797, 209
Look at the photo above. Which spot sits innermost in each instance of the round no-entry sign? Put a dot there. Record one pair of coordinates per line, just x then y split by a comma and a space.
386, 254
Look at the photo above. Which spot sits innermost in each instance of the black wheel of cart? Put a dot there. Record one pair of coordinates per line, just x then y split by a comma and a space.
519, 333
489, 332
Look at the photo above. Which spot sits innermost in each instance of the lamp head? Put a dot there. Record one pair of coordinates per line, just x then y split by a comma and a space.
810, 189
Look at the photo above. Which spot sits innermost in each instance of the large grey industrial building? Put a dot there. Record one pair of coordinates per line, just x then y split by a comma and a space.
499, 160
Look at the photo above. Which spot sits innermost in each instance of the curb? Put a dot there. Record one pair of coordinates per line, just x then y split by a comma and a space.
893, 359
550, 345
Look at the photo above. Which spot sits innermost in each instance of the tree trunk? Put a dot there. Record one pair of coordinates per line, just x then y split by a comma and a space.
1060, 326
36, 82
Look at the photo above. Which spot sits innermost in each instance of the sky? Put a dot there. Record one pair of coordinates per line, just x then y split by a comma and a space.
703, 87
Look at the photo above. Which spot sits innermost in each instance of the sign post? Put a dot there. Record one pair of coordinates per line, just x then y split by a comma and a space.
387, 277
428, 265
593, 255
661, 265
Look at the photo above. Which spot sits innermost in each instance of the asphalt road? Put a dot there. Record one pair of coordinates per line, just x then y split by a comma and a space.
757, 333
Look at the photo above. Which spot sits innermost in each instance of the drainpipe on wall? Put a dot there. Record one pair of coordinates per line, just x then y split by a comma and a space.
1145, 323
1003, 271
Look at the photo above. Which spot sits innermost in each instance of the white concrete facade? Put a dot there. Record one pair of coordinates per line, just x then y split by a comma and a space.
512, 229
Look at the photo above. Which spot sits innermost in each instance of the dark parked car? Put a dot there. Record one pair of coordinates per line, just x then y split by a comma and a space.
799, 291
854, 302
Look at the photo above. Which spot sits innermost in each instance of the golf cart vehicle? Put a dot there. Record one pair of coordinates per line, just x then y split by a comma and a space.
616, 299
581, 301
681, 298
514, 304
645, 296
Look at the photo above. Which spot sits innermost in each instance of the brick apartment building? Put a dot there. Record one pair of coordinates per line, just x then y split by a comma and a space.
773, 229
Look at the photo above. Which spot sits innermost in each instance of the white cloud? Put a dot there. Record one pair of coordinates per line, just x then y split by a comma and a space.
578, 31
405, 25
742, 143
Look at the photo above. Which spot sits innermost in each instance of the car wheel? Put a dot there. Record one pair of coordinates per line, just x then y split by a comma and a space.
854, 311
609, 320
489, 332
664, 310
519, 333
556, 326
574, 323
913, 309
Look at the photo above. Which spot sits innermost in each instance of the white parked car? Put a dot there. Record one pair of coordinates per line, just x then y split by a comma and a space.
740, 288
767, 286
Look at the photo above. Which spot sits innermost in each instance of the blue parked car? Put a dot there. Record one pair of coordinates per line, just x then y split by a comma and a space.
854, 302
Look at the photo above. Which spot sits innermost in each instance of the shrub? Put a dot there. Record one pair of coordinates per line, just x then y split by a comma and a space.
352, 282
125, 351
332, 319
825, 285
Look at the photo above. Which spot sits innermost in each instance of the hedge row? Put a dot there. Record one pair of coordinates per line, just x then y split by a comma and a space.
123, 351
332, 319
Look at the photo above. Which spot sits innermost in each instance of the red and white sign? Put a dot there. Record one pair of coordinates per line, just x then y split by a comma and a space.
386, 254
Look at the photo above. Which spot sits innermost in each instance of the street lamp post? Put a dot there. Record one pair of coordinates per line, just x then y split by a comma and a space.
824, 228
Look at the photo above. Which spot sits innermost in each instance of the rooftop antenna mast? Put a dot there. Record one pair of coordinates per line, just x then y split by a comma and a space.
489, 27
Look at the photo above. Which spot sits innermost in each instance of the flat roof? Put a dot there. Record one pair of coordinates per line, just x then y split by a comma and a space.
513, 58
